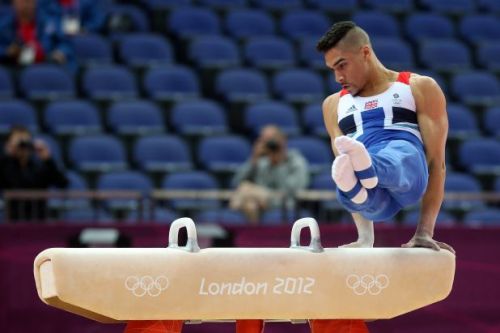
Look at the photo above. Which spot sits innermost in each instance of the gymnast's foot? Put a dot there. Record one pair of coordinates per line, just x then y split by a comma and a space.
344, 177
360, 159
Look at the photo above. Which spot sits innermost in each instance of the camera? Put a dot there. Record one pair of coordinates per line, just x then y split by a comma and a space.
273, 146
25, 144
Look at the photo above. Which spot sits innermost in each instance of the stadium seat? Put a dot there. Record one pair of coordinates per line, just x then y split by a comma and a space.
315, 151
443, 84
462, 122
394, 53
245, 23
443, 219
271, 113
491, 120
422, 26
142, 50
189, 22
298, 85
223, 4
332, 85
309, 56
76, 117
461, 182
345, 6
242, 85
54, 146
269, 53
496, 186
92, 50
124, 181
46, 81
135, 118
481, 156
476, 88
214, 52
377, 24
445, 55
202, 117
324, 182
489, 6
108, 83
396, 7
162, 153
221, 216
126, 19
483, 218
158, 5
302, 24
450, 7
174, 83
223, 153
276, 216
478, 29
75, 183
313, 120
278, 5
99, 153
487, 56
191, 180
6, 85
17, 112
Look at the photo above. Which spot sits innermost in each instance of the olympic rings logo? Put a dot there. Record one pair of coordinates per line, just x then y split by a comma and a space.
367, 284
140, 286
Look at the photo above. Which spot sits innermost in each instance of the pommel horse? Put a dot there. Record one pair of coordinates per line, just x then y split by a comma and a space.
223, 284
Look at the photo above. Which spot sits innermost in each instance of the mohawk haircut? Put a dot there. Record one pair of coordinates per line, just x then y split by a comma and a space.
344, 31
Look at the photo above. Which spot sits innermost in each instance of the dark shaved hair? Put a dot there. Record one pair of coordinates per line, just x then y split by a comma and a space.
345, 33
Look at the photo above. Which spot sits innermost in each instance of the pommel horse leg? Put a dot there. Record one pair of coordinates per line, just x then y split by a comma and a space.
175, 326
338, 326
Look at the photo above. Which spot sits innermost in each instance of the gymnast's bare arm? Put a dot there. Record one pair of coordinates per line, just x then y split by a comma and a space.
433, 123
365, 227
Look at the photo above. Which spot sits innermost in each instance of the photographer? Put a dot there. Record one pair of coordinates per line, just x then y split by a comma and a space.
27, 164
272, 169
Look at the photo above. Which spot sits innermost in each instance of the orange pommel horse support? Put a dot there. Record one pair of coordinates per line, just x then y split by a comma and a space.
152, 288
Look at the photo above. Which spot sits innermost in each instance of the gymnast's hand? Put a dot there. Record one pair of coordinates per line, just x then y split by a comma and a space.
427, 242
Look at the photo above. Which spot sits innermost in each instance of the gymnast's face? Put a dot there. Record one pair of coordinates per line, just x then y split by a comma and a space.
350, 66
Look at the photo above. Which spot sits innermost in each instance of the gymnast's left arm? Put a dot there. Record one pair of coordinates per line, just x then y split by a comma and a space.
433, 123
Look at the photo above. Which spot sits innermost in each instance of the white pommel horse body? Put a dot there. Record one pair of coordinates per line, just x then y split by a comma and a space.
296, 283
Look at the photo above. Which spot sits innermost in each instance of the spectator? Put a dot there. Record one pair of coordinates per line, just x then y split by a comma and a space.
30, 36
272, 169
27, 164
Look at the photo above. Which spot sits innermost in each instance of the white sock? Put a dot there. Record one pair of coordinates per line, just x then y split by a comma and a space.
360, 158
343, 175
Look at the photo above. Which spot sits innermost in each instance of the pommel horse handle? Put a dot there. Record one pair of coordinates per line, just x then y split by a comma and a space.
173, 235
315, 245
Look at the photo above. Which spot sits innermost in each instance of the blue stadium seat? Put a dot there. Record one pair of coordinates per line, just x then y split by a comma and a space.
202, 117
397, 7
313, 119
223, 4
483, 217
377, 24
189, 22
324, 182
421, 26
443, 84
242, 85
302, 24
126, 19
124, 181
162, 153
461, 182
496, 186
223, 153
6, 85
159, 5
443, 219
163, 216
489, 6
332, 85
481, 156
491, 120
487, 56
99, 153
298, 85
462, 122
46, 82
478, 29
55, 148
445, 55
278, 5
247, 23
221, 216
269, 53
191, 180
174, 83
92, 50
17, 112
271, 113
107, 83
344, 6
394, 53
277, 216
75, 183
450, 6
214, 52
135, 118
77, 117
315, 151
476, 88
310, 56
143, 50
